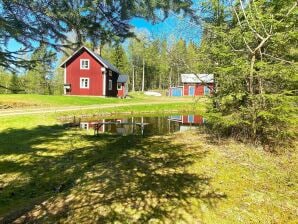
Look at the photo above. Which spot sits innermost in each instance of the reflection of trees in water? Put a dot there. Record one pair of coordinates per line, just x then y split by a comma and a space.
145, 125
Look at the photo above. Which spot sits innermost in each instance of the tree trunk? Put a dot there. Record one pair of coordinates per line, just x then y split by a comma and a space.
252, 99
133, 78
170, 77
143, 77
136, 79
159, 84
251, 74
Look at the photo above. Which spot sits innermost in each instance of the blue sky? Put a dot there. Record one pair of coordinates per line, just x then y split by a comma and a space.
173, 27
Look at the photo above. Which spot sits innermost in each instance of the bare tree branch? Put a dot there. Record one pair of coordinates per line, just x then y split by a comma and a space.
239, 22
278, 59
248, 23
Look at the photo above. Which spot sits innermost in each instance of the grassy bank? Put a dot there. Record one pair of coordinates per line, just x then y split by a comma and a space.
50, 174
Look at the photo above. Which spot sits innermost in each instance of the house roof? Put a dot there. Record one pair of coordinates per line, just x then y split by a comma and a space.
122, 78
197, 78
105, 63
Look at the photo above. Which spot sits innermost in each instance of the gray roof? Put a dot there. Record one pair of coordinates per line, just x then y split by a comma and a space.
197, 78
108, 64
122, 78
105, 63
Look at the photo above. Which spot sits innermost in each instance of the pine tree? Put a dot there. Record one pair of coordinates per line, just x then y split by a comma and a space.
254, 67
48, 22
14, 84
39, 79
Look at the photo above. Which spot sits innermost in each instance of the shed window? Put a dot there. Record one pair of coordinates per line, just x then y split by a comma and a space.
191, 119
119, 86
84, 64
110, 84
84, 83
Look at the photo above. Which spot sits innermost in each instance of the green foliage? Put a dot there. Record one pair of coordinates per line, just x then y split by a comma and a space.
251, 51
5, 78
39, 78
14, 85
117, 56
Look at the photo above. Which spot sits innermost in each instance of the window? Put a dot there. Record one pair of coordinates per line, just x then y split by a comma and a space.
84, 64
110, 84
119, 86
84, 83
84, 125
110, 73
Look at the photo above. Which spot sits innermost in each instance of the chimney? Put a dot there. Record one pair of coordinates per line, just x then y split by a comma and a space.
97, 50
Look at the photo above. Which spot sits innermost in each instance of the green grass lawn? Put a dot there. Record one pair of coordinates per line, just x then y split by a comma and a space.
33, 100
50, 174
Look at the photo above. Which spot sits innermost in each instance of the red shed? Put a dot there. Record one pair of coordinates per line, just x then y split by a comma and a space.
197, 84
87, 73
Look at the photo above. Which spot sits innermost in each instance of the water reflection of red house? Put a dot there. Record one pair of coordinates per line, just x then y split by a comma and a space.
106, 125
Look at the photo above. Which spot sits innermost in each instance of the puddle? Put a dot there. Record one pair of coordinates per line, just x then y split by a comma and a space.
143, 125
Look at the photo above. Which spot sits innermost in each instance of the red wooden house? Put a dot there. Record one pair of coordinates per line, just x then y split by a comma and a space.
87, 73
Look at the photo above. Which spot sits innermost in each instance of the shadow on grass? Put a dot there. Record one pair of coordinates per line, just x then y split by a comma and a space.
101, 179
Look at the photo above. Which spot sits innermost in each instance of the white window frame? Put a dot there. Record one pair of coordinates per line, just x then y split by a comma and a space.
110, 84
84, 125
120, 87
81, 64
83, 86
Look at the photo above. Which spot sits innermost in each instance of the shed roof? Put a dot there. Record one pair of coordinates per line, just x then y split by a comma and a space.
122, 78
197, 78
105, 63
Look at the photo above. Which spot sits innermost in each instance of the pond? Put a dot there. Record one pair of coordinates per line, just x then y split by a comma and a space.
143, 125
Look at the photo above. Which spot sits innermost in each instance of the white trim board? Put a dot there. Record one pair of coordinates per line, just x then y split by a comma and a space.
89, 51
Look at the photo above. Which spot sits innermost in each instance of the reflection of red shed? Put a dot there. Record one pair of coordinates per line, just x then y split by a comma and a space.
188, 119
122, 86
197, 84
87, 73
192, 119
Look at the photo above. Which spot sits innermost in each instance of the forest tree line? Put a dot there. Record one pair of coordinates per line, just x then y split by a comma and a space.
155, 63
